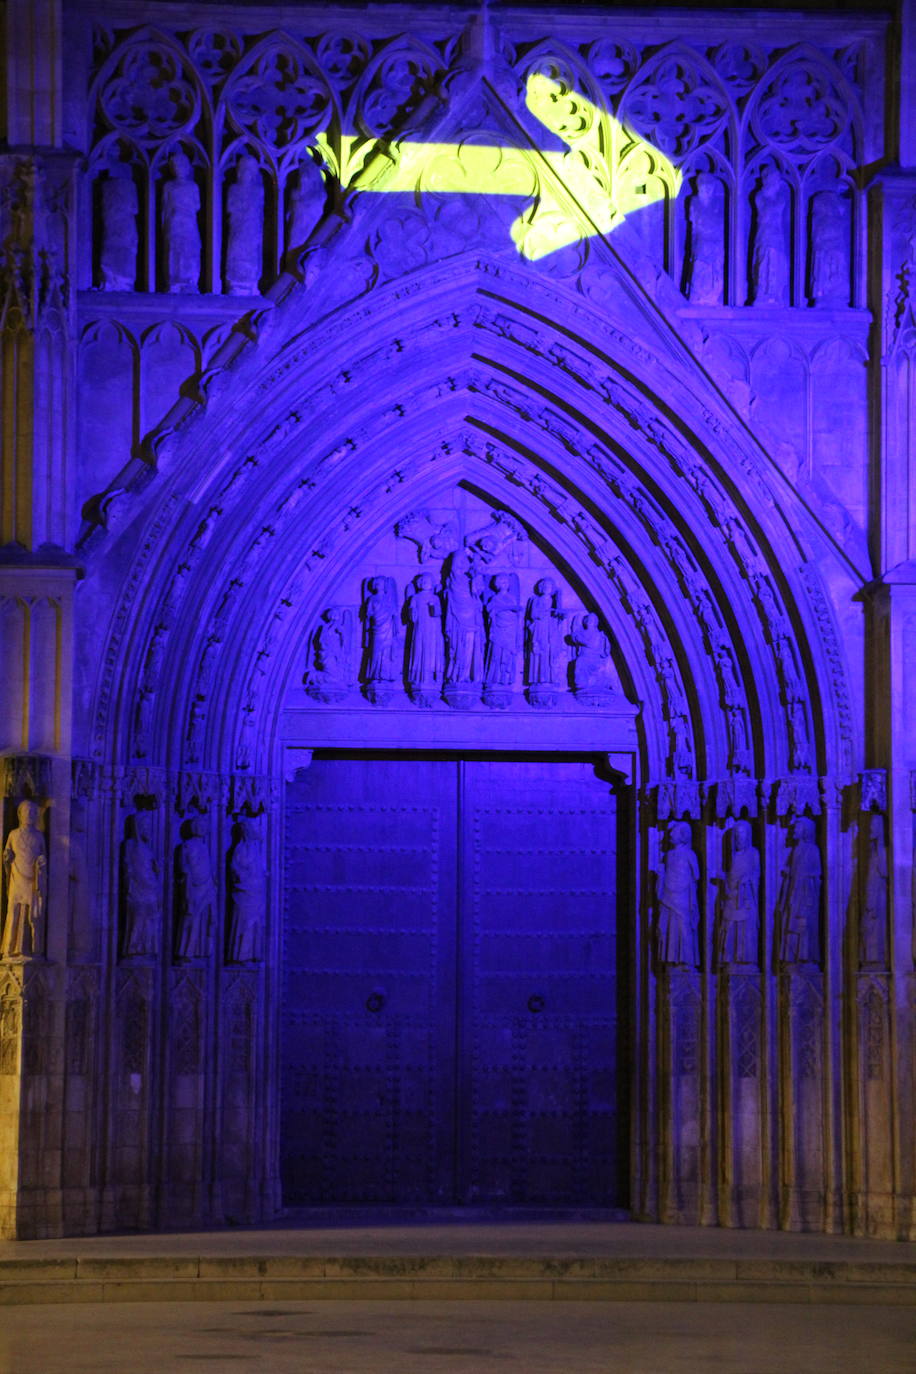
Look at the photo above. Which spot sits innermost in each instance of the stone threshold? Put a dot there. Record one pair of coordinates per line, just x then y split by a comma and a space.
185, 1278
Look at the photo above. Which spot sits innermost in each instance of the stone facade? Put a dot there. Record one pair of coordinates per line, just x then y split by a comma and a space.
412, 380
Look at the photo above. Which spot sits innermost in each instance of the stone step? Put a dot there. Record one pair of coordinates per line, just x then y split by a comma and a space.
186, 1278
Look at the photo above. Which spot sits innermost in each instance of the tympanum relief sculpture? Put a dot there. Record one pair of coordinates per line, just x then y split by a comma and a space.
479, 625
25, 869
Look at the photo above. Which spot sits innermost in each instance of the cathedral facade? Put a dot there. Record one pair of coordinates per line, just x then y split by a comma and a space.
458, 607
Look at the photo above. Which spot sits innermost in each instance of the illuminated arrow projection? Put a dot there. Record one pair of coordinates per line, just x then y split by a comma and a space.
605, 174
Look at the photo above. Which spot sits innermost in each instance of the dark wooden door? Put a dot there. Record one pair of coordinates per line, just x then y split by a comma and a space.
449, 984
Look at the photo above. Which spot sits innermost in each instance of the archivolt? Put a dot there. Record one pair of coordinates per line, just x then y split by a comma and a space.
619, 456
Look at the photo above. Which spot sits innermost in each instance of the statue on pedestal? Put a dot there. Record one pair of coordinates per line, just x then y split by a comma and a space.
245, 229
678, 921
118, 256
247, 897
196, 896
181, 232
25, 865
799, 902
141, 889
738, 917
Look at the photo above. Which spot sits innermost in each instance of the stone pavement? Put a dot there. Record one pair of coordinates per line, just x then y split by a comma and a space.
460, 1338
566, 1261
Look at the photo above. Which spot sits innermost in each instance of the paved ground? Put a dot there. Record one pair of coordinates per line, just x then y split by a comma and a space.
625, 1240
462, 1338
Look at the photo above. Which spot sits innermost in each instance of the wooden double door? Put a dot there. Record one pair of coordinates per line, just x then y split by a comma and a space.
449, 984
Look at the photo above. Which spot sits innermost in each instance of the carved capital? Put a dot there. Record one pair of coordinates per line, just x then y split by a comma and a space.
873, 789
25, 775
792, 796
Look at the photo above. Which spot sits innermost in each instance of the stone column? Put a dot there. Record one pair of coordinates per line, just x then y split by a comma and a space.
37, 575
892, 627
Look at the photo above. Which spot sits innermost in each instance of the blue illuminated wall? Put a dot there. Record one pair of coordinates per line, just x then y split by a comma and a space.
433, 383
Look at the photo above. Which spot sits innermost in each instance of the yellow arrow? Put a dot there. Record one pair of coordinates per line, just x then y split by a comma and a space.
606, 173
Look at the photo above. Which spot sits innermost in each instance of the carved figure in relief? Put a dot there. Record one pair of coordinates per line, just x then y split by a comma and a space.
544, 653
331, 670
592, 668
247, 897
503, 616
504, 534
425, 648
770, 252
181, 233
799, 737
738, 915
141, 889
245, 236
305, 204
196, 895
704, 238
433, 538
118, 256
381, 631
678, 921
463, 620
25, 866
680, 755
733, 701
873, 950
799, 901
829, 250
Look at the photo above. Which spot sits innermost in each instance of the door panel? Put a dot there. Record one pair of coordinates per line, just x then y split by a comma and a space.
368, 1001
449, 984
538, 991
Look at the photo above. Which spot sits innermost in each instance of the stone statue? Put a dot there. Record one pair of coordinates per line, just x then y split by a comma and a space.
704, 241
196, 895
381, 633
331, 672
738, 914
592, 667
80, 931
770, 274
245, 229
25, 866
247, 897
678, 923
829, 250
141, 888
799, 738
425, 649
799, 901
873, 951
734, 704
181, 232
544, 655
305, 204
118, 256
680, 755
503, 619
463, 619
